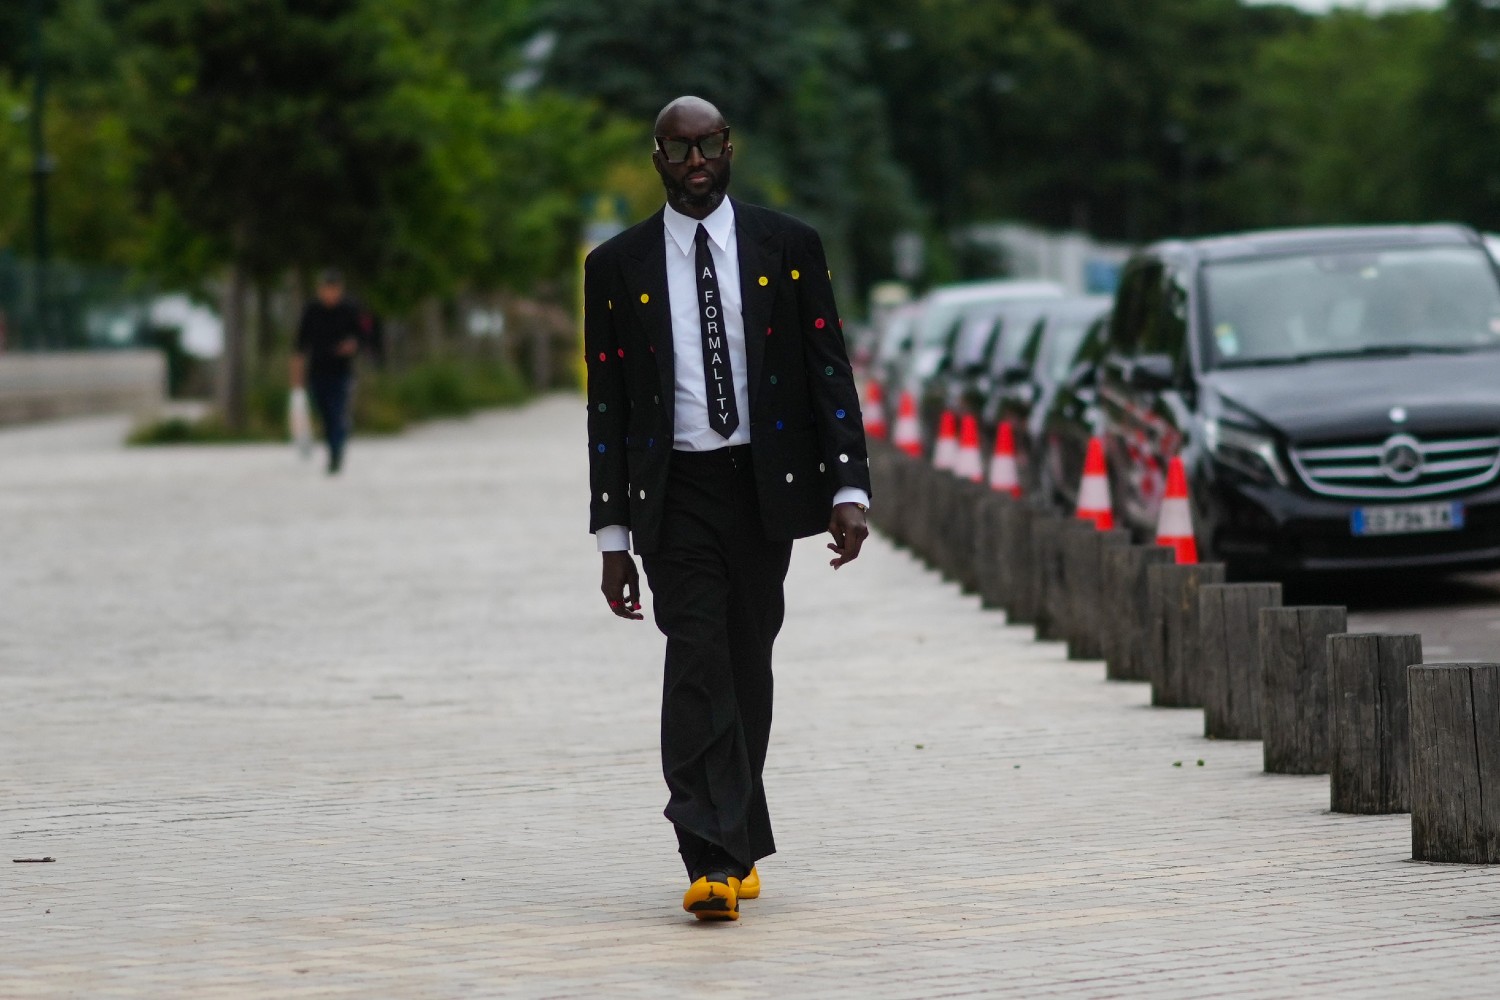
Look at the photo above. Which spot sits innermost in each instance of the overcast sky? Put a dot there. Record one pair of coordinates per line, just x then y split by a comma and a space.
1321, 5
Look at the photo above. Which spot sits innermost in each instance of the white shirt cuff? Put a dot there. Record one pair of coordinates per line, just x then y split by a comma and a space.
613, 538
851, 494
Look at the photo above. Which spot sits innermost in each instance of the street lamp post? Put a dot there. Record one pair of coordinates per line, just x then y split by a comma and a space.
41, 167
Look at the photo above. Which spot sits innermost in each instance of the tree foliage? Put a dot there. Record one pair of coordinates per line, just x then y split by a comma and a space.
436, 146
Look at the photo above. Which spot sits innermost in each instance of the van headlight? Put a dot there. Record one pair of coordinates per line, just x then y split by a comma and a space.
1245, 451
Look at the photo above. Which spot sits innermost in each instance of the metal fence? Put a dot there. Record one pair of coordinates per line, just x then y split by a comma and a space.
67, 307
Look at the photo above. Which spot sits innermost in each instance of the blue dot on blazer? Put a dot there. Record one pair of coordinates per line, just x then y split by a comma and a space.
601, 449
839, 414
779, 425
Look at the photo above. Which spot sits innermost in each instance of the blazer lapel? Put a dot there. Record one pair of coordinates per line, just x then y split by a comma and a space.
648, 293
759, 269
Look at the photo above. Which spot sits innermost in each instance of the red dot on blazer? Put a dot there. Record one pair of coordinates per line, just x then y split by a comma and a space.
818, 323
653, 348
603, 356
768, 331
620, 352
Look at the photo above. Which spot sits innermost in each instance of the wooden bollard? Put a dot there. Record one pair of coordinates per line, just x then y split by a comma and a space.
965, 553
991, 557
1018, 574
1122, 631
1455, 762
1059, 585
884, 467
1084, 555
1046, 558
1369, 732
903, 504
1229, 649
1172, 598
950, 527
925, 483
1294, 698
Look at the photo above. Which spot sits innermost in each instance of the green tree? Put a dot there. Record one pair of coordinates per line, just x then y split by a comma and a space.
810, 130
1458, 107
1352, 154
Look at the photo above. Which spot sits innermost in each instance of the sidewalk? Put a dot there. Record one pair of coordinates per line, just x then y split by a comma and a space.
378, 736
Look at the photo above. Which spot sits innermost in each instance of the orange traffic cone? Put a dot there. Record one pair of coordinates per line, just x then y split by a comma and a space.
874, 411
908, 433
1174, 526
1093, 492
1003, 477
968, 465
945, 452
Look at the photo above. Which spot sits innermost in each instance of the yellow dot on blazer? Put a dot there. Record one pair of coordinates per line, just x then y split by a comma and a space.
796, 274
764, 280
610, 302
645, 298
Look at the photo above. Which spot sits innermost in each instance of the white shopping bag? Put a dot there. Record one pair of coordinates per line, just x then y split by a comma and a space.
299, 419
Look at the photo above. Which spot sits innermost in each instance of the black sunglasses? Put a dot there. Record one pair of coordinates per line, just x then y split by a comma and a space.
711, 146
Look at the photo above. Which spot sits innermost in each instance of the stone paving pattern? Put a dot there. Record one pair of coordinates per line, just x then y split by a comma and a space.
377, 736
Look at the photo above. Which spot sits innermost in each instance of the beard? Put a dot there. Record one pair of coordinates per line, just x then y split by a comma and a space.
680, 197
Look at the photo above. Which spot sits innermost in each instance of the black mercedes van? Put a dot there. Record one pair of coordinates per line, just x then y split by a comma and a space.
1334, 394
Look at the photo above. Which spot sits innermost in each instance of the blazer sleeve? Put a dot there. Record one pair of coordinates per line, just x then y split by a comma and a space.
608, 400
841, 430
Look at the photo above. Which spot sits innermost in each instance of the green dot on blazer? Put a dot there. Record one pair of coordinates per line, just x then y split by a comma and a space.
773, 379
828, 370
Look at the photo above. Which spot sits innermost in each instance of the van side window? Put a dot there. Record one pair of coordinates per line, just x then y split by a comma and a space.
1127, 324
1165, 324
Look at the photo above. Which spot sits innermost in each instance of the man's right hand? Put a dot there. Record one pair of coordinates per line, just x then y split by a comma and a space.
622, 585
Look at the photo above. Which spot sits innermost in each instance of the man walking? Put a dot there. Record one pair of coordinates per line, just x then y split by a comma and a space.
328, 337
723, 424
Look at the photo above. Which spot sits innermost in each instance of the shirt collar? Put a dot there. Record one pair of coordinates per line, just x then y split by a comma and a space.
683, 228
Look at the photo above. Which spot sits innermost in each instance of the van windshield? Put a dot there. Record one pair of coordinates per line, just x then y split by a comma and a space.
1284, 310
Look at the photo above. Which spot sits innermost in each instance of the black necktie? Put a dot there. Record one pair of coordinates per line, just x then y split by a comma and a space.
723, 415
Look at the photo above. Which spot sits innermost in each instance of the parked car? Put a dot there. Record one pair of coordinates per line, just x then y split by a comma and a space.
936, 330
896, 341
1334, 394
1021, 390
988, 337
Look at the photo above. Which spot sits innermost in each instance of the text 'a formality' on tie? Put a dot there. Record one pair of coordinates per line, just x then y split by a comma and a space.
723, 413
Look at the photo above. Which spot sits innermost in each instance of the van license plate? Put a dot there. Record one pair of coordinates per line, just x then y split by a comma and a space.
1407, 520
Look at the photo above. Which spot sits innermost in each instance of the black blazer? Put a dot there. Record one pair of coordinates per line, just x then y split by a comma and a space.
807, 438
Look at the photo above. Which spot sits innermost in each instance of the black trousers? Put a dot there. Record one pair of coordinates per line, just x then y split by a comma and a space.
716, 583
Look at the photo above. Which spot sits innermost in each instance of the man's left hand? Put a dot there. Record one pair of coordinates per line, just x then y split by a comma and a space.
849, 530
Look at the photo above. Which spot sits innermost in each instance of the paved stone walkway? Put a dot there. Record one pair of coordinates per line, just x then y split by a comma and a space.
378, 737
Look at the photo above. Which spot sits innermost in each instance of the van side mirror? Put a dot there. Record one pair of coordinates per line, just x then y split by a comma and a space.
1014, 374
1151, 372
1083, 374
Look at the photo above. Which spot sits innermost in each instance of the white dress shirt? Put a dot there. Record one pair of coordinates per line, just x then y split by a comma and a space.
690, 416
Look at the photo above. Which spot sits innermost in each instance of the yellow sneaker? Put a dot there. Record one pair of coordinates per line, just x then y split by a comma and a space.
713, 900
750, 885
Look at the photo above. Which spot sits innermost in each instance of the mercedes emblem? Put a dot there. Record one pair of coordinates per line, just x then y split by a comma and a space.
1401, 459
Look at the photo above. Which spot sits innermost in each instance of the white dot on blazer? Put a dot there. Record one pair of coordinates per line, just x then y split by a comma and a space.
822, 467
788, 477
642, 494
604, 497
843, 458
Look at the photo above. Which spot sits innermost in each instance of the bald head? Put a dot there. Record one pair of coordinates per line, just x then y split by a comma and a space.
693, 155
691, 113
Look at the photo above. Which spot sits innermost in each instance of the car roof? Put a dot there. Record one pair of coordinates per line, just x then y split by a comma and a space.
982, 291
1081, 306
1281, 242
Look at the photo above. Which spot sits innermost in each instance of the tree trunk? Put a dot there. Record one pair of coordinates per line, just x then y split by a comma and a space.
265, 329
233, 399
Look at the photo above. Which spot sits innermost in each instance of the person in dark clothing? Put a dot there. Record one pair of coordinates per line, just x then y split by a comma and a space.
328, 337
